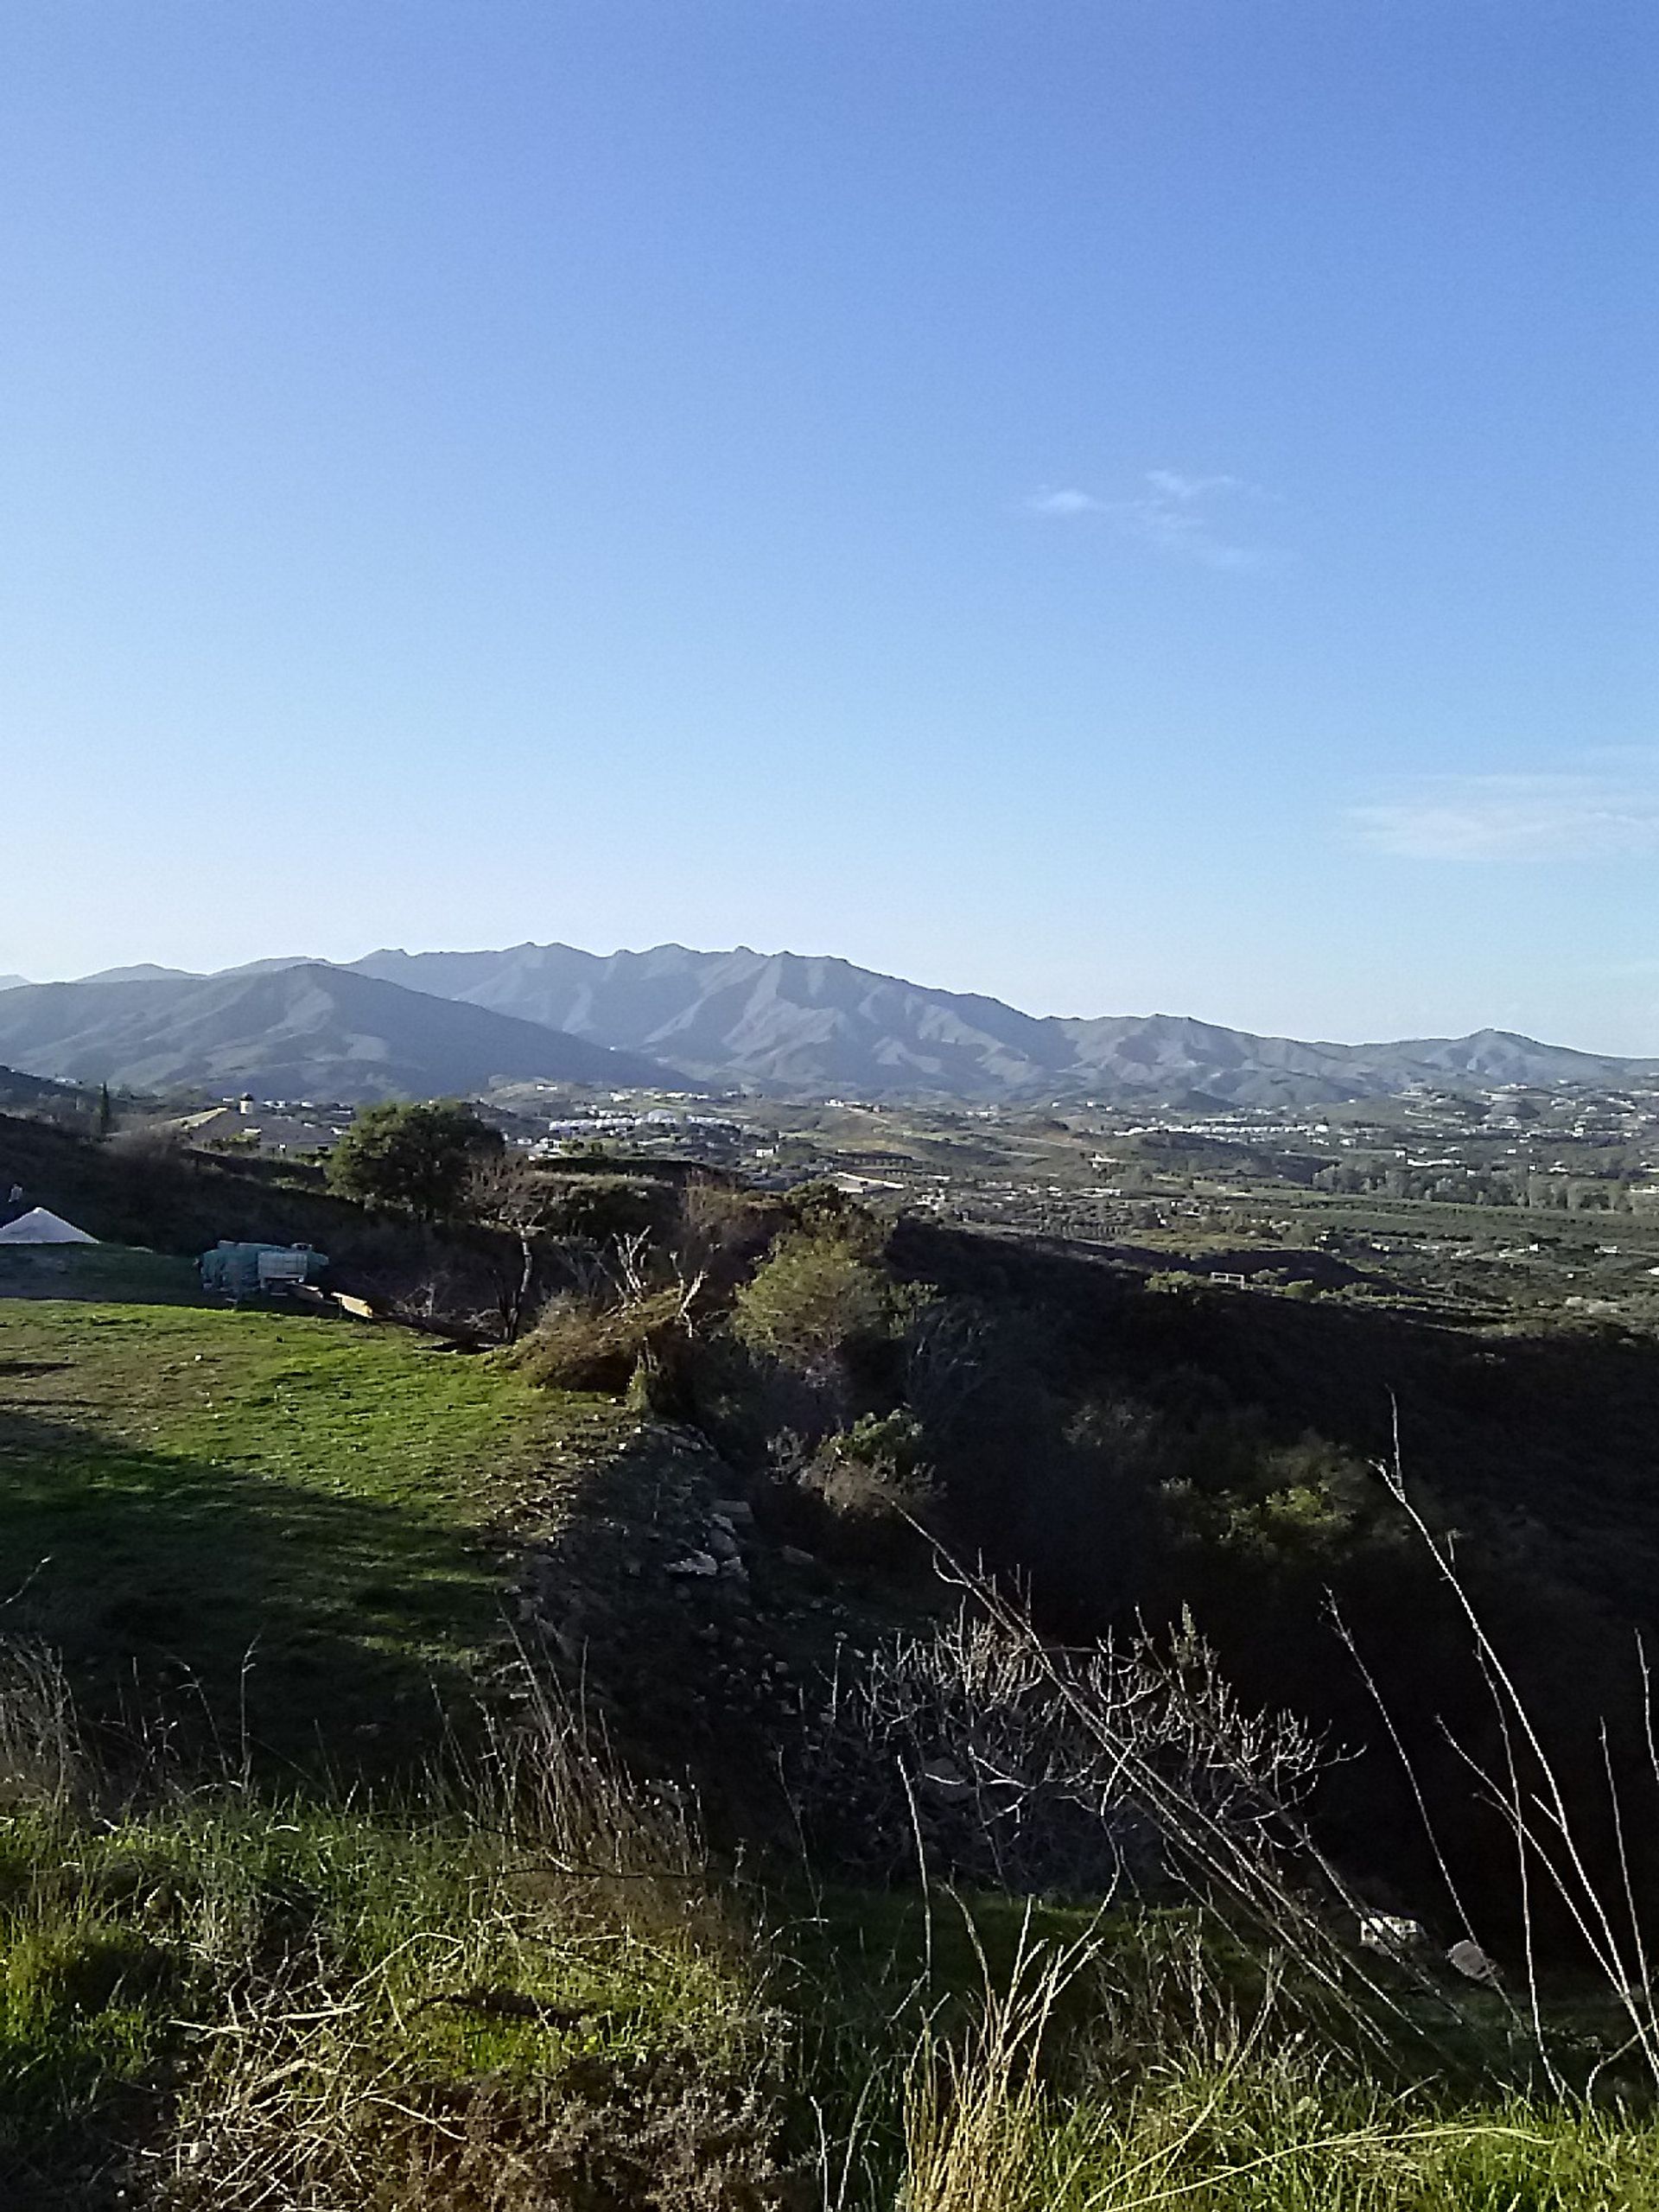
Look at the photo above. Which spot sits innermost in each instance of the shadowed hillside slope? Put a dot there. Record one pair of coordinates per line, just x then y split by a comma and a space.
309, 1031
1128, 1451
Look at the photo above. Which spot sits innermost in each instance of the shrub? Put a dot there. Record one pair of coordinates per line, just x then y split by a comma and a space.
723, 1230
1028, 1769
873, 1486
604, 1208
823, 1209
813, 1298
148, 1145
585, 1342
1176, 1282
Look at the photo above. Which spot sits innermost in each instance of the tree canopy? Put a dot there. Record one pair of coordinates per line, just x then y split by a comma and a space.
419, 1158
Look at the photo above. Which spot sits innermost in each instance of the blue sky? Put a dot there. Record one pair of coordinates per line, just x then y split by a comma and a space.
1123, 506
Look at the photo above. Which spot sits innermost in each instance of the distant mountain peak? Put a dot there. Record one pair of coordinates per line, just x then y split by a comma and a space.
145, 971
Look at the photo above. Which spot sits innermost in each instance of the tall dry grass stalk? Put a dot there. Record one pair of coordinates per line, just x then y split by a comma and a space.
973, 2108
1553, 1855
1214, 2112
41, 1766
551, 1777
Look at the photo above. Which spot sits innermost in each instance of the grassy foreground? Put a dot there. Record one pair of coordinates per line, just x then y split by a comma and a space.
287, 1520
277, 1931
225, 2004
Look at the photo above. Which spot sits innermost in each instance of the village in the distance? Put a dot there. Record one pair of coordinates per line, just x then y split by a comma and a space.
1470, 1202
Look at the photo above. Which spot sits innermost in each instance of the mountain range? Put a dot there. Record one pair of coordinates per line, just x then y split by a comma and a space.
416, 1024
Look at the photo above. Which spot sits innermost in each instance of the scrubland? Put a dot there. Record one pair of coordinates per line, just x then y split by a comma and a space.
830, 1719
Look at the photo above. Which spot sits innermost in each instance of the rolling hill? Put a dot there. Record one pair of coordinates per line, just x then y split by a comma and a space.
306, 1030
34, 1094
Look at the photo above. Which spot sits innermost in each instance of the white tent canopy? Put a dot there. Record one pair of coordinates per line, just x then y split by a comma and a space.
41, 1227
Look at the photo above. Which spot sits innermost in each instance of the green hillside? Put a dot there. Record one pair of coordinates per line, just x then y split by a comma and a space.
558, 1777
289, 1516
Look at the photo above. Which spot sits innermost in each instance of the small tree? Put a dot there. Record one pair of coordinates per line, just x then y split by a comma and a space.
105, 1110
417, 1158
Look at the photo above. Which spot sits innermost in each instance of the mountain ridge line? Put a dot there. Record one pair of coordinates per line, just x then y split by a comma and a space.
670, 1015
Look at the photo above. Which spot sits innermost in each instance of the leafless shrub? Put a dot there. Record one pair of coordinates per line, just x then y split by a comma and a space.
507, 1196
1282, 1897
959, 1741
595, 1337
448, 1298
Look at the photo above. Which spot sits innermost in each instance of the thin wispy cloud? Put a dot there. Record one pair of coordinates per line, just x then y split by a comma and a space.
1581, 815
1069, 501
1186, 516
1174, 486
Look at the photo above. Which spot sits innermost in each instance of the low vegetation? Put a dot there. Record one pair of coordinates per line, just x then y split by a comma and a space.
575, 1774
511, 1983
529, 1983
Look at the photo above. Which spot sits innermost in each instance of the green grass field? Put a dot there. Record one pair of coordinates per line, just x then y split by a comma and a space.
286, 1518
